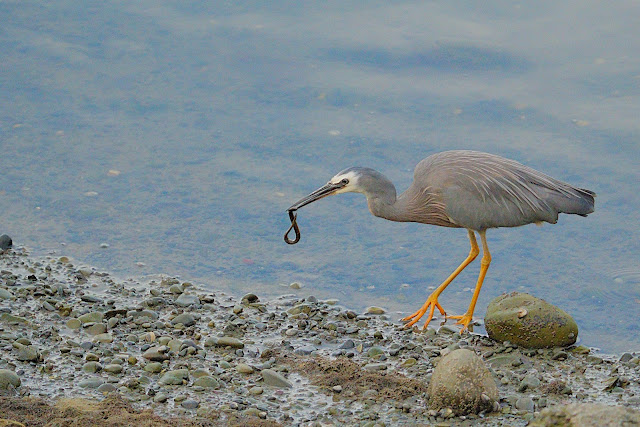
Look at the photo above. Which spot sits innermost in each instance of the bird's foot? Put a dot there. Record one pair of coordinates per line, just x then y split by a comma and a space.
464, 320
431, 304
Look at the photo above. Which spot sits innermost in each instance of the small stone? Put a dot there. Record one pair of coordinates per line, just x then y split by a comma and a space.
113, 368
74, 323
190, 404
9, 379
185, 318
528, 382
525, 404
229, 341
374, 352
295, 285
161, 397
28, 353
11, 319
5, 294
207, 381
375, 367
243, 368
376, 310
177, 377
409, 362
156, 354
624, 358
92, 367
291, 332
275, 379
91, 383
176, 289
104, 338
256, 390
107, 388
96, 329
337, 389
93, 317
153, 367
5, 242
91, 357
185, 300
250, 299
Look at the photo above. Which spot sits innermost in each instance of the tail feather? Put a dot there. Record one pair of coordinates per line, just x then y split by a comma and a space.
580, 202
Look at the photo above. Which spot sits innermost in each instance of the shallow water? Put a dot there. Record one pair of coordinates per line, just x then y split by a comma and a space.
179, 134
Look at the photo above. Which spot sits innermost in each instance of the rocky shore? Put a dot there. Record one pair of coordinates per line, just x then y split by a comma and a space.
76, 342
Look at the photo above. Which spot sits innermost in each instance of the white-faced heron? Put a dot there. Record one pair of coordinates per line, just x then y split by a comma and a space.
461, 189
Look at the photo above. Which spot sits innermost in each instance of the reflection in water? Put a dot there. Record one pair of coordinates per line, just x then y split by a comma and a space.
217, 116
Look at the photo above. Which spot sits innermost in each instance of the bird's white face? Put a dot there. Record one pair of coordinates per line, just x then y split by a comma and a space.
349, 179
344, 182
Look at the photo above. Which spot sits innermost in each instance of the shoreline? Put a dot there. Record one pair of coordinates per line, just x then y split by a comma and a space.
183, 351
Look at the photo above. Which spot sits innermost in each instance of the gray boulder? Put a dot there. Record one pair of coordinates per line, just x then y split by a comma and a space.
529, 322
462, 382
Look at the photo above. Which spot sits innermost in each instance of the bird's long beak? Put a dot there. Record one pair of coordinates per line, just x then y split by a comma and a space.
321, 192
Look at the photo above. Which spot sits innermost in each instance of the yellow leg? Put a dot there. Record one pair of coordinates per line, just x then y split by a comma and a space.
432, 301
466, 318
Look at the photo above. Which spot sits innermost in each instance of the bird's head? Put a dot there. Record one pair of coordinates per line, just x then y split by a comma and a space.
343, 182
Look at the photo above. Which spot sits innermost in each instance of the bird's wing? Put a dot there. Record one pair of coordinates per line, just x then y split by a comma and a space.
484, 190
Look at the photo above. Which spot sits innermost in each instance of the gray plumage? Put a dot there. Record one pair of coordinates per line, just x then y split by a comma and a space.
473, 190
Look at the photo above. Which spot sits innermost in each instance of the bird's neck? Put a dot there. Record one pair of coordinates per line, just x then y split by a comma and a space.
388, 209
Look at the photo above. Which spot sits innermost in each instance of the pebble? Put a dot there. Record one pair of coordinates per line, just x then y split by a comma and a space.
185, 300
161, 397
528, 382
525, 404
28, 353
96, 329
5, 294
255, 391
9, 379
275, 379
92, 367
185, 318
153, 367
103, 338
175, 377
376, 310
91, 383
5, 242
156, 354
113, 368
190, 404
106, 388
229, 341
243, 368
207, 381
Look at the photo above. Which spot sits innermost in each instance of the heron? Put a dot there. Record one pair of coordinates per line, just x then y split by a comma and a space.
461, 189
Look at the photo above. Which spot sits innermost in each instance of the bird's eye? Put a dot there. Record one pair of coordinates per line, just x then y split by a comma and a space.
344, 181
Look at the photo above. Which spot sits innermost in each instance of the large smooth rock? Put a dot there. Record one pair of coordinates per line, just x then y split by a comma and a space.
587, 415
462, 382
529, 322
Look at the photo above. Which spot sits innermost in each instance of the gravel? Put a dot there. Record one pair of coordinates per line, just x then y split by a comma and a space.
184, 349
